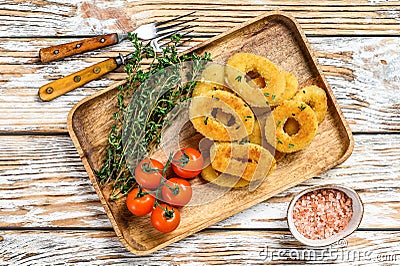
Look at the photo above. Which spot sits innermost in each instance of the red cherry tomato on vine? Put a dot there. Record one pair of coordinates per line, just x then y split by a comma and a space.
165, 218
139, 202
187, 163
177, 192
148, 173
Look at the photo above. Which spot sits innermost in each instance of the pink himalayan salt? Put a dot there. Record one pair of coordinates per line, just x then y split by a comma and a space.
322, 213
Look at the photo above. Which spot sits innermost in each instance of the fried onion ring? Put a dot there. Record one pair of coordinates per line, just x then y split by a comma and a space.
250, 161
308, 124
202, 87
279, 156
291, 126
315, 97
223, 180
291, 86
242, 63
221, 115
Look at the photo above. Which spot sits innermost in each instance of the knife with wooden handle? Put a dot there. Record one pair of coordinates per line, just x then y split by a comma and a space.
64, 50
61, 86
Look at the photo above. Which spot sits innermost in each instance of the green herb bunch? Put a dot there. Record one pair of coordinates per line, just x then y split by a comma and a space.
145, 128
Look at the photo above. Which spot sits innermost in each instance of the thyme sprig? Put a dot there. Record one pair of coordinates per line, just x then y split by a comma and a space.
144, 63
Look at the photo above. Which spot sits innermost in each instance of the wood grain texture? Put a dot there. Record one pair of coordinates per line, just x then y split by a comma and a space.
42, 18
204, 248
42, 180
43, 183
362, 71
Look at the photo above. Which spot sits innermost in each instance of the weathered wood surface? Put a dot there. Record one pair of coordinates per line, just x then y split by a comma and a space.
48, 18
362, 71
43, 184
89, 125
210, 247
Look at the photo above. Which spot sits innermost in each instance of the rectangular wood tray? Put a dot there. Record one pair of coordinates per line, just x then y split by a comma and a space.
276, 36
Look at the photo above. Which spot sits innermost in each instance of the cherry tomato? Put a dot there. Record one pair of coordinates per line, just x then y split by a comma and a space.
148, 173
187, 163
177, 192
139, 202
165, 218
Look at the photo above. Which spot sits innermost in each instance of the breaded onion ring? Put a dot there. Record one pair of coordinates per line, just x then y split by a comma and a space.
242, 63
248, 160
221, 115
315, 97
307, 120
202, 87
291, 86
223, 180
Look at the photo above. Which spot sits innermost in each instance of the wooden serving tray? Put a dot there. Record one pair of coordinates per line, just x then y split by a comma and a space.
276, 36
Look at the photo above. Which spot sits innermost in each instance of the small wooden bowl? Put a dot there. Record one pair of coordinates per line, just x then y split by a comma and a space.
358, 211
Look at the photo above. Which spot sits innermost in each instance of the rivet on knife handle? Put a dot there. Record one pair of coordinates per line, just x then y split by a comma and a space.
61, 86
64, 50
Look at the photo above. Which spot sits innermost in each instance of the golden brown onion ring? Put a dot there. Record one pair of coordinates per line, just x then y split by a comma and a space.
242, 63
291, 86
202, 87
248, 160
221, 115
213, 73
308, 124
255, 136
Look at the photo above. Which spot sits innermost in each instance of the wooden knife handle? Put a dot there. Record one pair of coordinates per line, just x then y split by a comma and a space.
61, 86
67, 49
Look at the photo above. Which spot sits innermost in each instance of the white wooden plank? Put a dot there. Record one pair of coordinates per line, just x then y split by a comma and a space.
365, 76
204, 248
42, 179
363, 72
43, 183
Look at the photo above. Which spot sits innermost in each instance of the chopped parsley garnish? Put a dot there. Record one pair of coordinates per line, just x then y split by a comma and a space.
205, 120
302, 107
280, 142
291, 145
279, 122
239, 78
273, 96
266, 94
